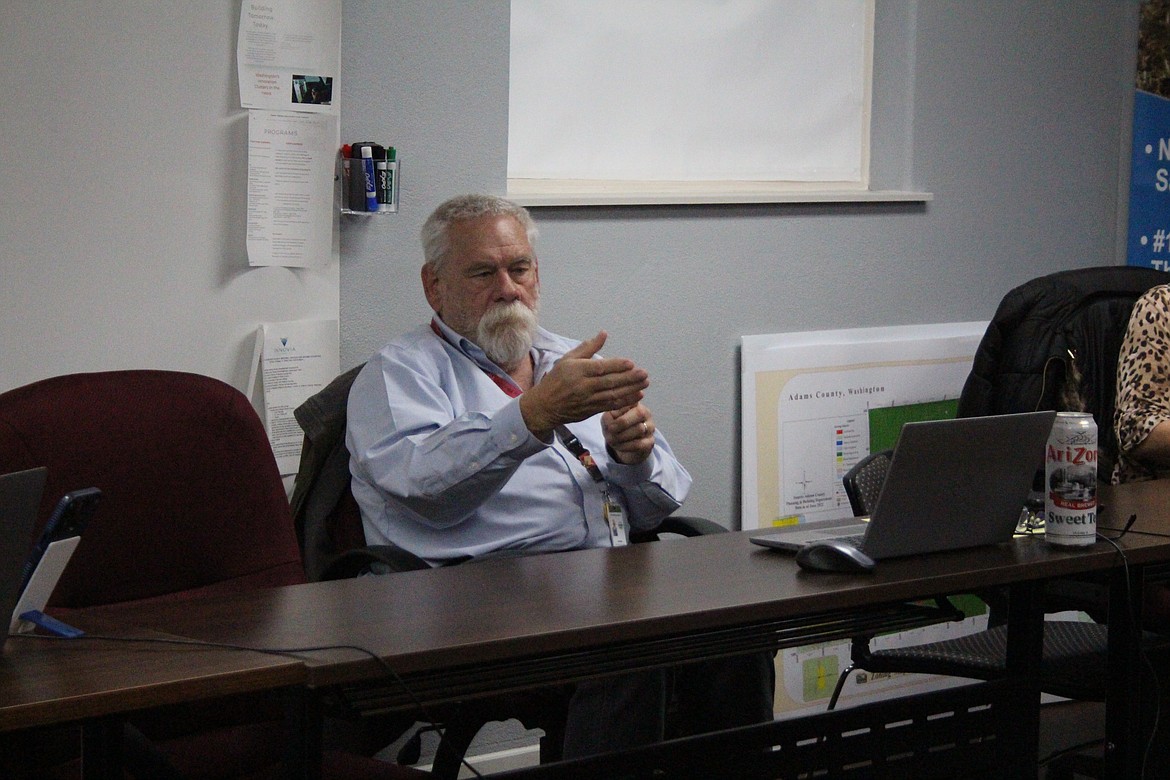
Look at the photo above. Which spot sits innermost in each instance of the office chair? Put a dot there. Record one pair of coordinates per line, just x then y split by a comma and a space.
1074, 661
1053, 343
193, 503
1074, 658
863, 483
329, 529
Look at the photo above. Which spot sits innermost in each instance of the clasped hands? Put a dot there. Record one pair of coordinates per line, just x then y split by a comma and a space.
578, 387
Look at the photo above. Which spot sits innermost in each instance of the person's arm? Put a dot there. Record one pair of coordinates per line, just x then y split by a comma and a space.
579, 386
1155, 448
1142, 420
654, 488
642, 465
408, 440
439, 465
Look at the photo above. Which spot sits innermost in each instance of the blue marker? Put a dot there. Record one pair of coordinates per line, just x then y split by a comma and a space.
371, 187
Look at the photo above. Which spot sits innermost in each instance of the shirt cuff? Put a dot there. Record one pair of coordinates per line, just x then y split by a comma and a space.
512, 435
628, 476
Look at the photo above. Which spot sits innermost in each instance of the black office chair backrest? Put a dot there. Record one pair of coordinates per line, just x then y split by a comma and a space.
1053, 343
863, 483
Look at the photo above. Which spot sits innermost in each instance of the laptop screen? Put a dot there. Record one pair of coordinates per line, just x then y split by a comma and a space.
20, 498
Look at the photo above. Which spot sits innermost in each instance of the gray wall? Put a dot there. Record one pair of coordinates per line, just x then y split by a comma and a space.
1014, 114
123, 185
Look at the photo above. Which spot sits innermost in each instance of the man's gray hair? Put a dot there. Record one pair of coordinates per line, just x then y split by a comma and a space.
435, 232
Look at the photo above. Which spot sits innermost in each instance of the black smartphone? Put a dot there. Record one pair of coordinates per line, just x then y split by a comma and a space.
68, 519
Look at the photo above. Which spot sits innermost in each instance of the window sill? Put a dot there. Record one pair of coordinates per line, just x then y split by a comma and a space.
643, 195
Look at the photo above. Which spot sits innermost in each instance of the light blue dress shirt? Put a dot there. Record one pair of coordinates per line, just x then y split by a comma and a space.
443, 465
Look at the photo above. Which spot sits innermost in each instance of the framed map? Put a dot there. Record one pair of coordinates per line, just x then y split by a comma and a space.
815, 403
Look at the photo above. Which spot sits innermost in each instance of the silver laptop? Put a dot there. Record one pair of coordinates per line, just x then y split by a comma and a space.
951, 484
20, 498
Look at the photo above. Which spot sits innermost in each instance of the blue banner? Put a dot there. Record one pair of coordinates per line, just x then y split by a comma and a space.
1149, 184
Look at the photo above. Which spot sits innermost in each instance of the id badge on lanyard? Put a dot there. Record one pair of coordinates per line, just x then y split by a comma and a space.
615, 516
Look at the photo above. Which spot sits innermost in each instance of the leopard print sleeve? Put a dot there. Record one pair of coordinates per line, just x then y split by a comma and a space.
1143, 380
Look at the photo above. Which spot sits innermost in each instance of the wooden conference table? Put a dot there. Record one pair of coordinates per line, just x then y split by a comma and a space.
1148, 503
514, 623
94, 682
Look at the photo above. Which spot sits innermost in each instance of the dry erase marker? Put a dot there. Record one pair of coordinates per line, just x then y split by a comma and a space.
395, 177
383, 179
356, 193
387, 181
371, 187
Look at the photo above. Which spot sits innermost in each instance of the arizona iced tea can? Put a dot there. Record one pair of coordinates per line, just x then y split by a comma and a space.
1070, 479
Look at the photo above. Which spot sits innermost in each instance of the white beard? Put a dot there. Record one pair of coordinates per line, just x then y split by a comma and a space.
505, 333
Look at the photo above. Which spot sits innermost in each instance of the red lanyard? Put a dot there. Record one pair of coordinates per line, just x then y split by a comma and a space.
507, 385
574, 445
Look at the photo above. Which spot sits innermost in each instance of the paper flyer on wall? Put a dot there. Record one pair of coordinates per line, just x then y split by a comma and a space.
295, 360
291, 166
288, 54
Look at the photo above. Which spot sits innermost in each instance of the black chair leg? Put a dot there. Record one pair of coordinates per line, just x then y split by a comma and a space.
840, 686
453, 745
143, 759
552, 744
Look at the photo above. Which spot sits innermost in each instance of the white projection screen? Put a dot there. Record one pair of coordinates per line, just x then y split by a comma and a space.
690, 90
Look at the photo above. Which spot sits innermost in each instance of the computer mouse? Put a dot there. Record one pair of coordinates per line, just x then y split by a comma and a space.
833, 555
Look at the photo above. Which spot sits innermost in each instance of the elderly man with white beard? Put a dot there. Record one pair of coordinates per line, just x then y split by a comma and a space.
481, 434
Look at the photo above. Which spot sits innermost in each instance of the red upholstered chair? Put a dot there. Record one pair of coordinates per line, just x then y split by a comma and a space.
192, 503
192, 500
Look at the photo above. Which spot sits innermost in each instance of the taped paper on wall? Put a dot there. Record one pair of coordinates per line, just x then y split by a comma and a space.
292, 160
288, 54
295, 359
